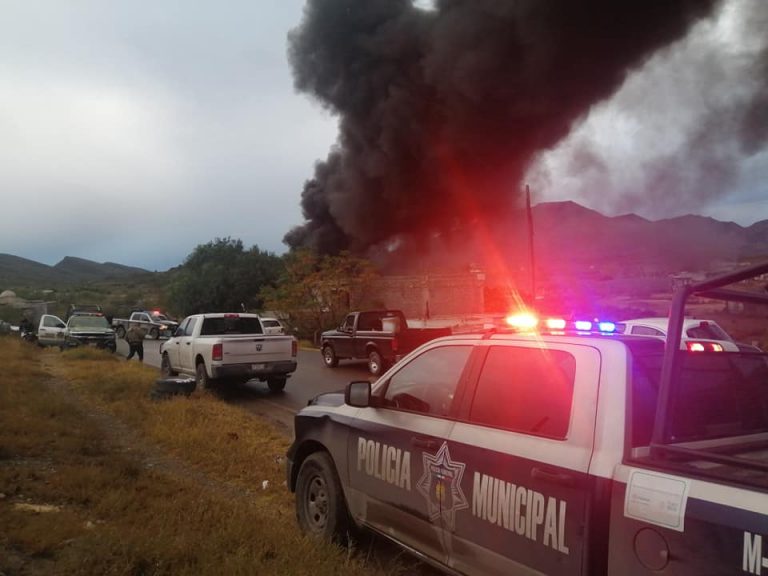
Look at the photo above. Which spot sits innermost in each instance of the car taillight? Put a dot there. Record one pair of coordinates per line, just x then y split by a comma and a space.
218, 351
395, 344
703, 346
294, 347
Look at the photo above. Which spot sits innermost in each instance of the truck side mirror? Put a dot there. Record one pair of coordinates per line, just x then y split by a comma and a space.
358, 394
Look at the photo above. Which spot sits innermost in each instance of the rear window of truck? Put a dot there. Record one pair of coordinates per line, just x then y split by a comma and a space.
720, 395
224, 325
717, 395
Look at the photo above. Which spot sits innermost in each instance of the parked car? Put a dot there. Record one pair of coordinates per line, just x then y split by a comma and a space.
89, 330
154, 322
272, 326
82, 329
697, 334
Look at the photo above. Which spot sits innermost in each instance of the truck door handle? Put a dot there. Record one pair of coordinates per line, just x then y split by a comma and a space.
554, 477
428, 443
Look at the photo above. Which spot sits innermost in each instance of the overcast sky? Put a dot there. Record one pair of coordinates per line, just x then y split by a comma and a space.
132, 131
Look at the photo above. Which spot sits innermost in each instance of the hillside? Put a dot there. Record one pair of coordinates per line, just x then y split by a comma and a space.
567, 234
16, 272
571, 242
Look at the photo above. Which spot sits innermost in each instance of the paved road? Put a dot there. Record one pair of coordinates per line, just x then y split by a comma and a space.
310, 379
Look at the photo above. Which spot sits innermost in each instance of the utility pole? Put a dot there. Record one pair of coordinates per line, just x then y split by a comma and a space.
532, 261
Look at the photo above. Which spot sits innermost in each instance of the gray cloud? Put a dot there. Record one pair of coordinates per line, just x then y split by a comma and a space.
133, 131
686, 133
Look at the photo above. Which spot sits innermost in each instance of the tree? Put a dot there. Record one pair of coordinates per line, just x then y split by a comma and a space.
317, 291
221, 276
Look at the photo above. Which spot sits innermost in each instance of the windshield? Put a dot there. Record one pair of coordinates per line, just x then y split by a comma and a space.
88, 322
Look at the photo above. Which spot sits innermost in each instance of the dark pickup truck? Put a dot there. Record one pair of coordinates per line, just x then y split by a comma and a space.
380, 336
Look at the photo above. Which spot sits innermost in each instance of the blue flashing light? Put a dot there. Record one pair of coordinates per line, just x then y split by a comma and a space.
606, 326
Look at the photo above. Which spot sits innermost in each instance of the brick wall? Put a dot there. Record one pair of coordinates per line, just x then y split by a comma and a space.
432, 294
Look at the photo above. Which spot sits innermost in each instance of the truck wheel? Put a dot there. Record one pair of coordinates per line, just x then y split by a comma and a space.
276, 384
165, 367
329, 357
120, 332
320, 507
375, 363
154, 333
201, 377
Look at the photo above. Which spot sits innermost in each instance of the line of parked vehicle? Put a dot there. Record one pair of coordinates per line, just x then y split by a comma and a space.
236, 347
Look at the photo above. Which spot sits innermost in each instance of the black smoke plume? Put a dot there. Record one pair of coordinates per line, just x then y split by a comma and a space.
441, 111
698, 115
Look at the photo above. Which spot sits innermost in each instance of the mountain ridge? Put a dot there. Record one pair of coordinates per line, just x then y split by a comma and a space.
16, 271
568, 237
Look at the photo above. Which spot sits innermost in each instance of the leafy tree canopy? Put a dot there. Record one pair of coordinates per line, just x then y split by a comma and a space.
316, 292
221, 276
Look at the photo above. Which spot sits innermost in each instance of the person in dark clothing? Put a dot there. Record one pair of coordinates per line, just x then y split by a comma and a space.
25, 325
135, 338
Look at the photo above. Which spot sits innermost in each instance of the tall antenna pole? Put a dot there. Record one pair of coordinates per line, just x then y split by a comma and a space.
532, 261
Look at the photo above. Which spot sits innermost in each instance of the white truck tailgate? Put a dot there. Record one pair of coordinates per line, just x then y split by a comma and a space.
256, 349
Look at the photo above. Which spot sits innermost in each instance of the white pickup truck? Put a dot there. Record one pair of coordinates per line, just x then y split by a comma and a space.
228, 347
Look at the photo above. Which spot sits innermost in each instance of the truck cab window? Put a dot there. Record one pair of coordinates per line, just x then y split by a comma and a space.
428, 383
189, 326
646, 331
525, 392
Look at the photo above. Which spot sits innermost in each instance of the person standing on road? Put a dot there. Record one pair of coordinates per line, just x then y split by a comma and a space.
135, 338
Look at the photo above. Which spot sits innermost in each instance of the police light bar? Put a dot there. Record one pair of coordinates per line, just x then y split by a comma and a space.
528, 321
556, 323
522, 321
606, 326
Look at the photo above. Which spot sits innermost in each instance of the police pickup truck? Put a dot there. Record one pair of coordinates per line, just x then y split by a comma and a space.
154, 322
546, 453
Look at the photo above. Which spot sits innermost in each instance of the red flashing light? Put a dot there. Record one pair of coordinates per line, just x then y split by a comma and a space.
294, 347
523, 321
703, 346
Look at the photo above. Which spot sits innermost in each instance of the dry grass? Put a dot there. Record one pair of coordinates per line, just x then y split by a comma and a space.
141, 487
